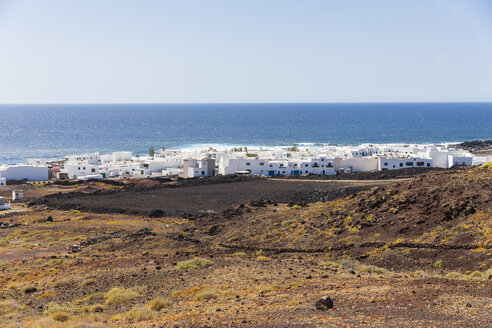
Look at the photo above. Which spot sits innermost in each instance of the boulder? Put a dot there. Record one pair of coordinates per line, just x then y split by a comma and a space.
324, 303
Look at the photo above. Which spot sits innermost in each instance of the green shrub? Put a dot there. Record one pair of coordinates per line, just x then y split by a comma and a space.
93, 308
487, 274
475, 274
159, 303
438, 264
296, 207
487, 165
118, 296
453, 275
195, 263
53, 307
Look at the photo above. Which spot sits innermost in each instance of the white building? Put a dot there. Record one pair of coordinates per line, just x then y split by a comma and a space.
204, 167
4, 206
386, 163
24, 172
3, 181
80, 169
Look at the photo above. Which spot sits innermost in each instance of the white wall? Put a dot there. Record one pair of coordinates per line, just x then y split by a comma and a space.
357, 164
24, 172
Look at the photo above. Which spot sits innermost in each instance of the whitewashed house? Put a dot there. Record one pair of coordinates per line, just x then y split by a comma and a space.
204, 167
3, 181
24, 172
387, 163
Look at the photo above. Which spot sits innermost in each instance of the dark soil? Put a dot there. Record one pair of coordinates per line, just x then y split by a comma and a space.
373, 175
195, 197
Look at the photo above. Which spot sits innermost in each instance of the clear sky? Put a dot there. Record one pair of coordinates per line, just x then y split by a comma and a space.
116, 51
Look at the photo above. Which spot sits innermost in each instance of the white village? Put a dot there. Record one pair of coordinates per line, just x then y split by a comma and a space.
262, 161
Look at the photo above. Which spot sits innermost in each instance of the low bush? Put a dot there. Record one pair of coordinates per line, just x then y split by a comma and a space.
475, 274
487, 274
262, 258
206, 295
93, 308
195, 263
88, 282
159, 303
60, 316
453, 275
136, 314
438, 264
118, 296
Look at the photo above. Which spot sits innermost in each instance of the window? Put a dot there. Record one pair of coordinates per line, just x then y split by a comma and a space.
409, 163
203, 172
393, 166
428, 164
93, 170
248, 163
329, 165
271, 165
385, 164
262, 163
306, 165
306, 172
401, 164
420, 163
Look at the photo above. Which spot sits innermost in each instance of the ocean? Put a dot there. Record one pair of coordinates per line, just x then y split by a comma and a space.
53, 131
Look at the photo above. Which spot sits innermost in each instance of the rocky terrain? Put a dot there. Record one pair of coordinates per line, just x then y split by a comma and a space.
477, 146
408, 253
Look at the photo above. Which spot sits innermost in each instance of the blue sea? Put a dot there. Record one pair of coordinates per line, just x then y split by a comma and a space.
53, 131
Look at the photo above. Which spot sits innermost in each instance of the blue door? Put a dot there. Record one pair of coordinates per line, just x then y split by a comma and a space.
271, 173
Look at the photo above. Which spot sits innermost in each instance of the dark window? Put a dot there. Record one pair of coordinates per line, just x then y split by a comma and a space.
420, 163
428, 164
247, 163
203, 172
401, 164
306, 171
262, 163
409, 163
93, 170
386, 164
307, 165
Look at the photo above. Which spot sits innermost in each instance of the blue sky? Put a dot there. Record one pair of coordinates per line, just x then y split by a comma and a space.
96, 51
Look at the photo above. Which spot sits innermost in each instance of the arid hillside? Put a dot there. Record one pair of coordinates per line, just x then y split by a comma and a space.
410, 253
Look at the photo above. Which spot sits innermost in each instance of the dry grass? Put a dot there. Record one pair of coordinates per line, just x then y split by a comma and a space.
205, 295
159, 303
262, 258
119, 296
136, 314
60, 316
194, 263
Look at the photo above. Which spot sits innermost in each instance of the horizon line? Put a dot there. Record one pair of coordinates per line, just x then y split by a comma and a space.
252, 103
